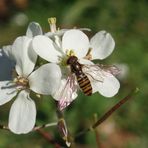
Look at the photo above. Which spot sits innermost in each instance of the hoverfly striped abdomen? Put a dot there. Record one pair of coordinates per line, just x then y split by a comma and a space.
85, 85
82, 79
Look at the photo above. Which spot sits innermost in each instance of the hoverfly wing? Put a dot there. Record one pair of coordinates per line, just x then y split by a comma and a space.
100, 68
69, 89
93, 72
112, 69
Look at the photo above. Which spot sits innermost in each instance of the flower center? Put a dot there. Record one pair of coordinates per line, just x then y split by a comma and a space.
70, 53
63, 60
21, 81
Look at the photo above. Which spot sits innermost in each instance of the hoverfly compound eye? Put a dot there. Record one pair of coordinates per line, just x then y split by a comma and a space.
71, 60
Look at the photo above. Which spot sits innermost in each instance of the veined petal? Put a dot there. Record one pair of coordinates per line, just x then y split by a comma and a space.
7, 91
108, 87
44, 47
34, 29
77, 41
102, 45
22, 114
24, 55
46, 79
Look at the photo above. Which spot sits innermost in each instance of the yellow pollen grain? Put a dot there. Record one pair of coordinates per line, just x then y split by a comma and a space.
22, 81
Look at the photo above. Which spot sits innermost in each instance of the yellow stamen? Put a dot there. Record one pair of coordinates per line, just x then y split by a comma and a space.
88, 55
38, 95
52, 23
70, 53
21, 81
52, 20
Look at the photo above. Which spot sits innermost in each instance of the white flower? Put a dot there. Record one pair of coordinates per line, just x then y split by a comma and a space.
75, 42
58, 32
45, 80
33, 30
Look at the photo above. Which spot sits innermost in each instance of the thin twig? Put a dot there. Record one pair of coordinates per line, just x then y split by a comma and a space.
46, 135
108, 113
44, 126
35, 128
49, 138
99, 145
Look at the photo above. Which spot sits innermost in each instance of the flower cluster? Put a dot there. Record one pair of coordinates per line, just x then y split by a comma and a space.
61, 77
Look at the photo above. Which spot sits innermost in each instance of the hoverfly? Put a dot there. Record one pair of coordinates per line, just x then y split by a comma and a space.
80, 76
82, 79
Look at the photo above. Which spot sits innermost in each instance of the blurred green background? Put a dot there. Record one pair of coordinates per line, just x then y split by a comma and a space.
127, 22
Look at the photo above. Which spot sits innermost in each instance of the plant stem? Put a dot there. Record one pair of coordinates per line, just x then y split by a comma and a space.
108, 113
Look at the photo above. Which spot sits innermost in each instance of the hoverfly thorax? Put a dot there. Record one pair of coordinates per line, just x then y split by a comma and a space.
75, 66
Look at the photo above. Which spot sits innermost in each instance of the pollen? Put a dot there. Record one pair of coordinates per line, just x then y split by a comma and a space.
70, 53
52, 20
88, 55
21, 81
63, 61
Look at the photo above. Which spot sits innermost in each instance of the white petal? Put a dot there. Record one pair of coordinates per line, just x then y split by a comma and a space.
109, 87
43, 46
85, 62
22, 114
7, 92
46, 79
102, 45
8, 51
24, 55
57, 33
34, 29
77, 41
1, 54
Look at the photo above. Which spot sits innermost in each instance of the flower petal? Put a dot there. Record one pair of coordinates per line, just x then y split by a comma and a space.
44, 47
46, 79
102, 45
24, 55
108, 87
85, 62
77, 41
22, 114
8, 51
57, 33
1, 54
7, 92
34, 29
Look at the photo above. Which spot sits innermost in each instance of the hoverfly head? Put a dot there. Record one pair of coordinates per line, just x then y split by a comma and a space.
72, 60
